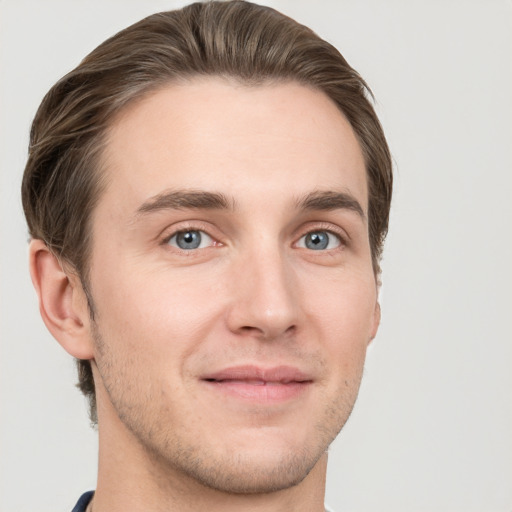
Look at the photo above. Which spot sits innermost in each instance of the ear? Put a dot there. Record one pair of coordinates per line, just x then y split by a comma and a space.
62, 301
375, 322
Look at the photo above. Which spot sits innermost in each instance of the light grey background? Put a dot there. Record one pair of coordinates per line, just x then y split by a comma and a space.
432, 430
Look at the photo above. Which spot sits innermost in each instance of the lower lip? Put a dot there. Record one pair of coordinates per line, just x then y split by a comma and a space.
268, 392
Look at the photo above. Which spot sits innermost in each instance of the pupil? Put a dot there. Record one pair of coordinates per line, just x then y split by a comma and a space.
188, 240
317, 241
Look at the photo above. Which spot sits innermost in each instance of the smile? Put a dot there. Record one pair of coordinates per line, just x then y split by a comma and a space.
259, 384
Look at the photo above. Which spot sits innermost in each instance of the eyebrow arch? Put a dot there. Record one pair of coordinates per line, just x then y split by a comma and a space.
186, 199
329, 200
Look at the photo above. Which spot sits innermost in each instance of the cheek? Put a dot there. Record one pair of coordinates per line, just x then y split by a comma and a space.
343, 310
156, 312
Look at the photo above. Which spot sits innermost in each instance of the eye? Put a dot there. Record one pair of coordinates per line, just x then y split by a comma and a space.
190, 239
319, 241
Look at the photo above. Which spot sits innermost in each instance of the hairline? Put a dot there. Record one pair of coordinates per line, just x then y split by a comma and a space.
100, 165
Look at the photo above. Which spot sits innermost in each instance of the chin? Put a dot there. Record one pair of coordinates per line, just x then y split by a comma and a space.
246, 474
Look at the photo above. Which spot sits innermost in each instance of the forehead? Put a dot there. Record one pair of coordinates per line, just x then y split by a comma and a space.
245, 141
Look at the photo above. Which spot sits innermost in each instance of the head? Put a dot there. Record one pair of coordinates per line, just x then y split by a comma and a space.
236, 45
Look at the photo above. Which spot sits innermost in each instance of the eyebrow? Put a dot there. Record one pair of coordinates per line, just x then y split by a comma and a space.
186, 199
203, 200
330, 200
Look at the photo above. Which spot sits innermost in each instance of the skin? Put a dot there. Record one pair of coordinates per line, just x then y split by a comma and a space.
253, 293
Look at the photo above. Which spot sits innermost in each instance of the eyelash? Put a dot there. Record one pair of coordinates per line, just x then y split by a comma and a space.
333, 230
340, 240
318, 228
185, 229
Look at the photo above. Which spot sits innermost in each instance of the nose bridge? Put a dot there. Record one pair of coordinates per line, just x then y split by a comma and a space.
265, 298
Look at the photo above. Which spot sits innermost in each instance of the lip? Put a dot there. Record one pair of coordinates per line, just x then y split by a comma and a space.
255, 383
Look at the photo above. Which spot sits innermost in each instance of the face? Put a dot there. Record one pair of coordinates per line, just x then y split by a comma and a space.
232, 281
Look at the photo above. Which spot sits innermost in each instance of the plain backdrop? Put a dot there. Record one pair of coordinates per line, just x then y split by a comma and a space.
432, 429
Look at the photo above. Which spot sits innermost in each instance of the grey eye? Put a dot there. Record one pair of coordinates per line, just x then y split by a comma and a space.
190, 240
319, 241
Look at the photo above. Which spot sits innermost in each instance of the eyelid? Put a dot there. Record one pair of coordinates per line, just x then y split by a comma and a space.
206, 228
205, 239
333, 229
332, 238
190, 225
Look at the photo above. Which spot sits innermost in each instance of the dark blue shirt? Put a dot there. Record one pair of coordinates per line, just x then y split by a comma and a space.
84, 500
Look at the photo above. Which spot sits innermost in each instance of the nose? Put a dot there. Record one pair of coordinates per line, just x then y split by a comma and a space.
265, 297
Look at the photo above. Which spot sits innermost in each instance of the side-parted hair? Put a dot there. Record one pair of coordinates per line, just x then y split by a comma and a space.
249, 43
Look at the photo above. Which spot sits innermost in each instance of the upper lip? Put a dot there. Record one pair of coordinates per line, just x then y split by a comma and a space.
282, 374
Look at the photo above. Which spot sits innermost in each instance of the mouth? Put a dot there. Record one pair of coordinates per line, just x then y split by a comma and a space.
259, 384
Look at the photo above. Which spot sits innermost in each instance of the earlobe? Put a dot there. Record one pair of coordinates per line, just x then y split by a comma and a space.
376, 322
62, 301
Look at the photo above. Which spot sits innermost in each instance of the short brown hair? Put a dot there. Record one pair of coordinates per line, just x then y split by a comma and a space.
250, 43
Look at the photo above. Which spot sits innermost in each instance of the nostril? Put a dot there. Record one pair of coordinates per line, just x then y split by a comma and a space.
291, 329
269, 333
249, 329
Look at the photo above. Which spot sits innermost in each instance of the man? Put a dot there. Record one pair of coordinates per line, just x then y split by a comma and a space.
207, 195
